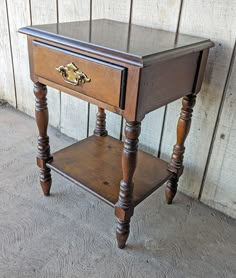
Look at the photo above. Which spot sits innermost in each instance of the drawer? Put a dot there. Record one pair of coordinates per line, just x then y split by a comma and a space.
101, 80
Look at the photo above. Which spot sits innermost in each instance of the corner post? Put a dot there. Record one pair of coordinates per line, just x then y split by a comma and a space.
124, 207
100, 128
176, 163
41, 115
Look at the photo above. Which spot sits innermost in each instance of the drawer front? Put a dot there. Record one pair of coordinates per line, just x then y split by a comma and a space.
100, 80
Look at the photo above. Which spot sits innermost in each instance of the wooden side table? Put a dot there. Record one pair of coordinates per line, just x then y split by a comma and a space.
129, 70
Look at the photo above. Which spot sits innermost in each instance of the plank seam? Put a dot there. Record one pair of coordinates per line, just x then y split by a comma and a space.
227, 80
91, 10
57, 9
130, 12
90, 34
166, 106
30, 11
121, 128
59, 124
129, 29
179, 19
88, 120
162, 131
11, 53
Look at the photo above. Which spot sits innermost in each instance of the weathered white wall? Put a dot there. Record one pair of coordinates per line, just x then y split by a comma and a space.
210, 149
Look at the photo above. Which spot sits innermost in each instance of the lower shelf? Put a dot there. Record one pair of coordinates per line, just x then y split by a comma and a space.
95, 164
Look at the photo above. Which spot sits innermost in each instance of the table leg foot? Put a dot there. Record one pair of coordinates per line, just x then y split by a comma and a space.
171, 189
176, 163
45, 181
124, 207
122, 232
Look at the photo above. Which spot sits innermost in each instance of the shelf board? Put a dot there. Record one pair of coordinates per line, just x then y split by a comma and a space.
95, 164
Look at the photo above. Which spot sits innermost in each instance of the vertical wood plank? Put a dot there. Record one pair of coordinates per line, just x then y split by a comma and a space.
115, 10
111, 9
215, 20
219, 190
44, 12
19, 15
163, 15
7, 88
74, 112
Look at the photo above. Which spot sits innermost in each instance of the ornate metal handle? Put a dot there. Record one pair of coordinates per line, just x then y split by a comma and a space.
71, 74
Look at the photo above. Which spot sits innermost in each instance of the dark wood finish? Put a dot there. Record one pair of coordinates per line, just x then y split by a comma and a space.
200, 71
166, 82
41, 115
95, 164
100, 128
80, 96
176, 163
124, 207
106, 79
133, 70
110, 39
151, 75
132, 82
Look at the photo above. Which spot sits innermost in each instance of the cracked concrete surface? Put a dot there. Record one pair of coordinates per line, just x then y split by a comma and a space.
71, 233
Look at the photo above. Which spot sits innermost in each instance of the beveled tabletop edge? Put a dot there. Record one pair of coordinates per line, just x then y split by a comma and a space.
88, 47
181, 51
115, 54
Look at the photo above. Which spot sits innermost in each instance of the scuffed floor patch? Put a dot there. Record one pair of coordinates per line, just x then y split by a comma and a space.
72, 234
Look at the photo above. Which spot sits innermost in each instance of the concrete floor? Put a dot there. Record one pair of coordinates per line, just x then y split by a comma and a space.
71, 233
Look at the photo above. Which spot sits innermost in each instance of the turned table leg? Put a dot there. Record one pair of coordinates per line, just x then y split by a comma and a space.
124, 207
100, 129
41, 115
176, 163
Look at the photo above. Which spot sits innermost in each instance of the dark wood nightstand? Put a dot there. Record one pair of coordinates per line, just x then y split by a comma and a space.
127, 69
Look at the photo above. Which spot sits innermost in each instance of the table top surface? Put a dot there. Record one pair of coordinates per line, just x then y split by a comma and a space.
131, 41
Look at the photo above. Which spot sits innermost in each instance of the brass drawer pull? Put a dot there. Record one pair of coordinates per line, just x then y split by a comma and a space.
71, 74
